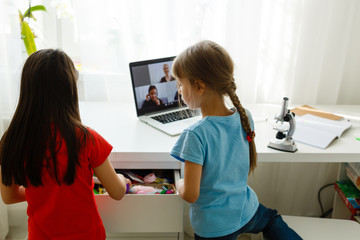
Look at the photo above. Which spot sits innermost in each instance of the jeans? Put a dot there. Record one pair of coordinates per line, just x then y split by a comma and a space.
267, 221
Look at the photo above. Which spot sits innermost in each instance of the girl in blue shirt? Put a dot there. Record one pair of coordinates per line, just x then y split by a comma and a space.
219, 151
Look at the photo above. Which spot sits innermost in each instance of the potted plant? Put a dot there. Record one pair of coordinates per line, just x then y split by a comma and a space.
26, 32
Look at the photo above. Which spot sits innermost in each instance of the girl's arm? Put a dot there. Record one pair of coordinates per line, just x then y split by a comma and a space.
12, 194
115, 185
189, 187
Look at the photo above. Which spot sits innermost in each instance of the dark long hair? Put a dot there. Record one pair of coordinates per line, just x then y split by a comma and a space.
151, 87
48, 106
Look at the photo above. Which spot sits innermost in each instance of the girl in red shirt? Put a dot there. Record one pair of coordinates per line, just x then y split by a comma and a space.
48, 157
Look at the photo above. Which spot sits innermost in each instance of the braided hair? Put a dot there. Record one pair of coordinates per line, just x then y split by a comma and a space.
211, 63
245, 124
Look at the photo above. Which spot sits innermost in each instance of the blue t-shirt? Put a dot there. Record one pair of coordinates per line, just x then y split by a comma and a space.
226, 203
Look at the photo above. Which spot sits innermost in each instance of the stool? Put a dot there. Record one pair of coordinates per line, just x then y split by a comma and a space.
310, 228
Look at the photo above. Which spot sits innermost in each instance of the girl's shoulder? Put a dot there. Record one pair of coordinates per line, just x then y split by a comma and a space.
91, 133
200, 129
248, 113
196, 126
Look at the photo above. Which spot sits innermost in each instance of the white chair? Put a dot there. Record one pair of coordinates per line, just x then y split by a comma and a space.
310, 228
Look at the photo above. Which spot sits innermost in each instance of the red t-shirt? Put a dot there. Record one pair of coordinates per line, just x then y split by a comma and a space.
68, 211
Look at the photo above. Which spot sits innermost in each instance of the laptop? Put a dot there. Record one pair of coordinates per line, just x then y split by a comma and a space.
156, 97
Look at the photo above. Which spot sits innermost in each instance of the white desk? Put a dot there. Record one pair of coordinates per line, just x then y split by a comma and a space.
133, 139
139, 146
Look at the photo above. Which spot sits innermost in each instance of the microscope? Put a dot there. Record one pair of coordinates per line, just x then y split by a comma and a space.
284, 140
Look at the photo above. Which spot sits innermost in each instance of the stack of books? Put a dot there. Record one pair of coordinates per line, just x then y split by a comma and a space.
353, 173
350, 195
352, 170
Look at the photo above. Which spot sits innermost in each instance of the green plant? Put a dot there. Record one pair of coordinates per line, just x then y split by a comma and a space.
26, 32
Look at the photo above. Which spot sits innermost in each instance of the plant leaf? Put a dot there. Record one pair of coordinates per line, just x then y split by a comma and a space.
34, 8
28, 38
32, 16
21, 16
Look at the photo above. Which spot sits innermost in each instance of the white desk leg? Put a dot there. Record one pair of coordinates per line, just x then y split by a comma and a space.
341, 172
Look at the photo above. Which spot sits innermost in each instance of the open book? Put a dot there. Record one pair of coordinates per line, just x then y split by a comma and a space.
317, 131
305, 109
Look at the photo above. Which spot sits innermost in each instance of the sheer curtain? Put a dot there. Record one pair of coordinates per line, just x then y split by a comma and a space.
10, 65
11, 59
306, 50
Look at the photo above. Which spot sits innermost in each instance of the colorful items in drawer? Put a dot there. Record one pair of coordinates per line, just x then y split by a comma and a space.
161, 180
143, 189
151, 178
150, 184
99, 189
134, 177
165, 192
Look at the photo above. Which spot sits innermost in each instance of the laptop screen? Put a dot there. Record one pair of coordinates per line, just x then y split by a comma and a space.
154, 87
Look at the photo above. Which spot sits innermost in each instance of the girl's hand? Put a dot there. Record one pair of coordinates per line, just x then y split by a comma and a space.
147, 97
115, 185
127, 181
179, 185
157, 101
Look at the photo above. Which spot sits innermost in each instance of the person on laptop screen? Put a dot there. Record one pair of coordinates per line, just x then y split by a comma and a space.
167, 77
151, 99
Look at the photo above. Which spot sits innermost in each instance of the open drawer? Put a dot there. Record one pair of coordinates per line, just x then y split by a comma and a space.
143, 213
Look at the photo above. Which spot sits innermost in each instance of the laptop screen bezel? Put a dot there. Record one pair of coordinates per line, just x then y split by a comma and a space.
142, 112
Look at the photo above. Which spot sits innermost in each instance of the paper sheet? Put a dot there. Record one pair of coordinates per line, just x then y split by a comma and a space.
317, 131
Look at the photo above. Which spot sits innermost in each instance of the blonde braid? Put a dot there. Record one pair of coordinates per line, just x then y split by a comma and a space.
211, 63
245, 124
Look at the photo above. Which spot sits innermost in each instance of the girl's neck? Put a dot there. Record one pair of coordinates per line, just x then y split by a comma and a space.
214, 106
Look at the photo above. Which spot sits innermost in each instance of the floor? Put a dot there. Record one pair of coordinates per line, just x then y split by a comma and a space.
17, 233
20, 234
242, 237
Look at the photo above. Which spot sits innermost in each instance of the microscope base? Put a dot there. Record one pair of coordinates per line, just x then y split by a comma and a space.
286, 145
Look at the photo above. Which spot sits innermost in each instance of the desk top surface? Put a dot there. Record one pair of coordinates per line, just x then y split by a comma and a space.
135, 141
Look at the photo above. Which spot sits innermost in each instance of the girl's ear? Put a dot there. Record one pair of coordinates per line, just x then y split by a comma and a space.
200, 86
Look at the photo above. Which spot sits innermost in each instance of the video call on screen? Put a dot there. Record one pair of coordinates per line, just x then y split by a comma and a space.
163, 87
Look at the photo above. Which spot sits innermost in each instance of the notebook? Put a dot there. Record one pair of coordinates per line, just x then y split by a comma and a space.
157, 99
317, 131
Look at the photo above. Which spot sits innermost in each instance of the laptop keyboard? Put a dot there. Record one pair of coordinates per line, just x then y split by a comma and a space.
174, 116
